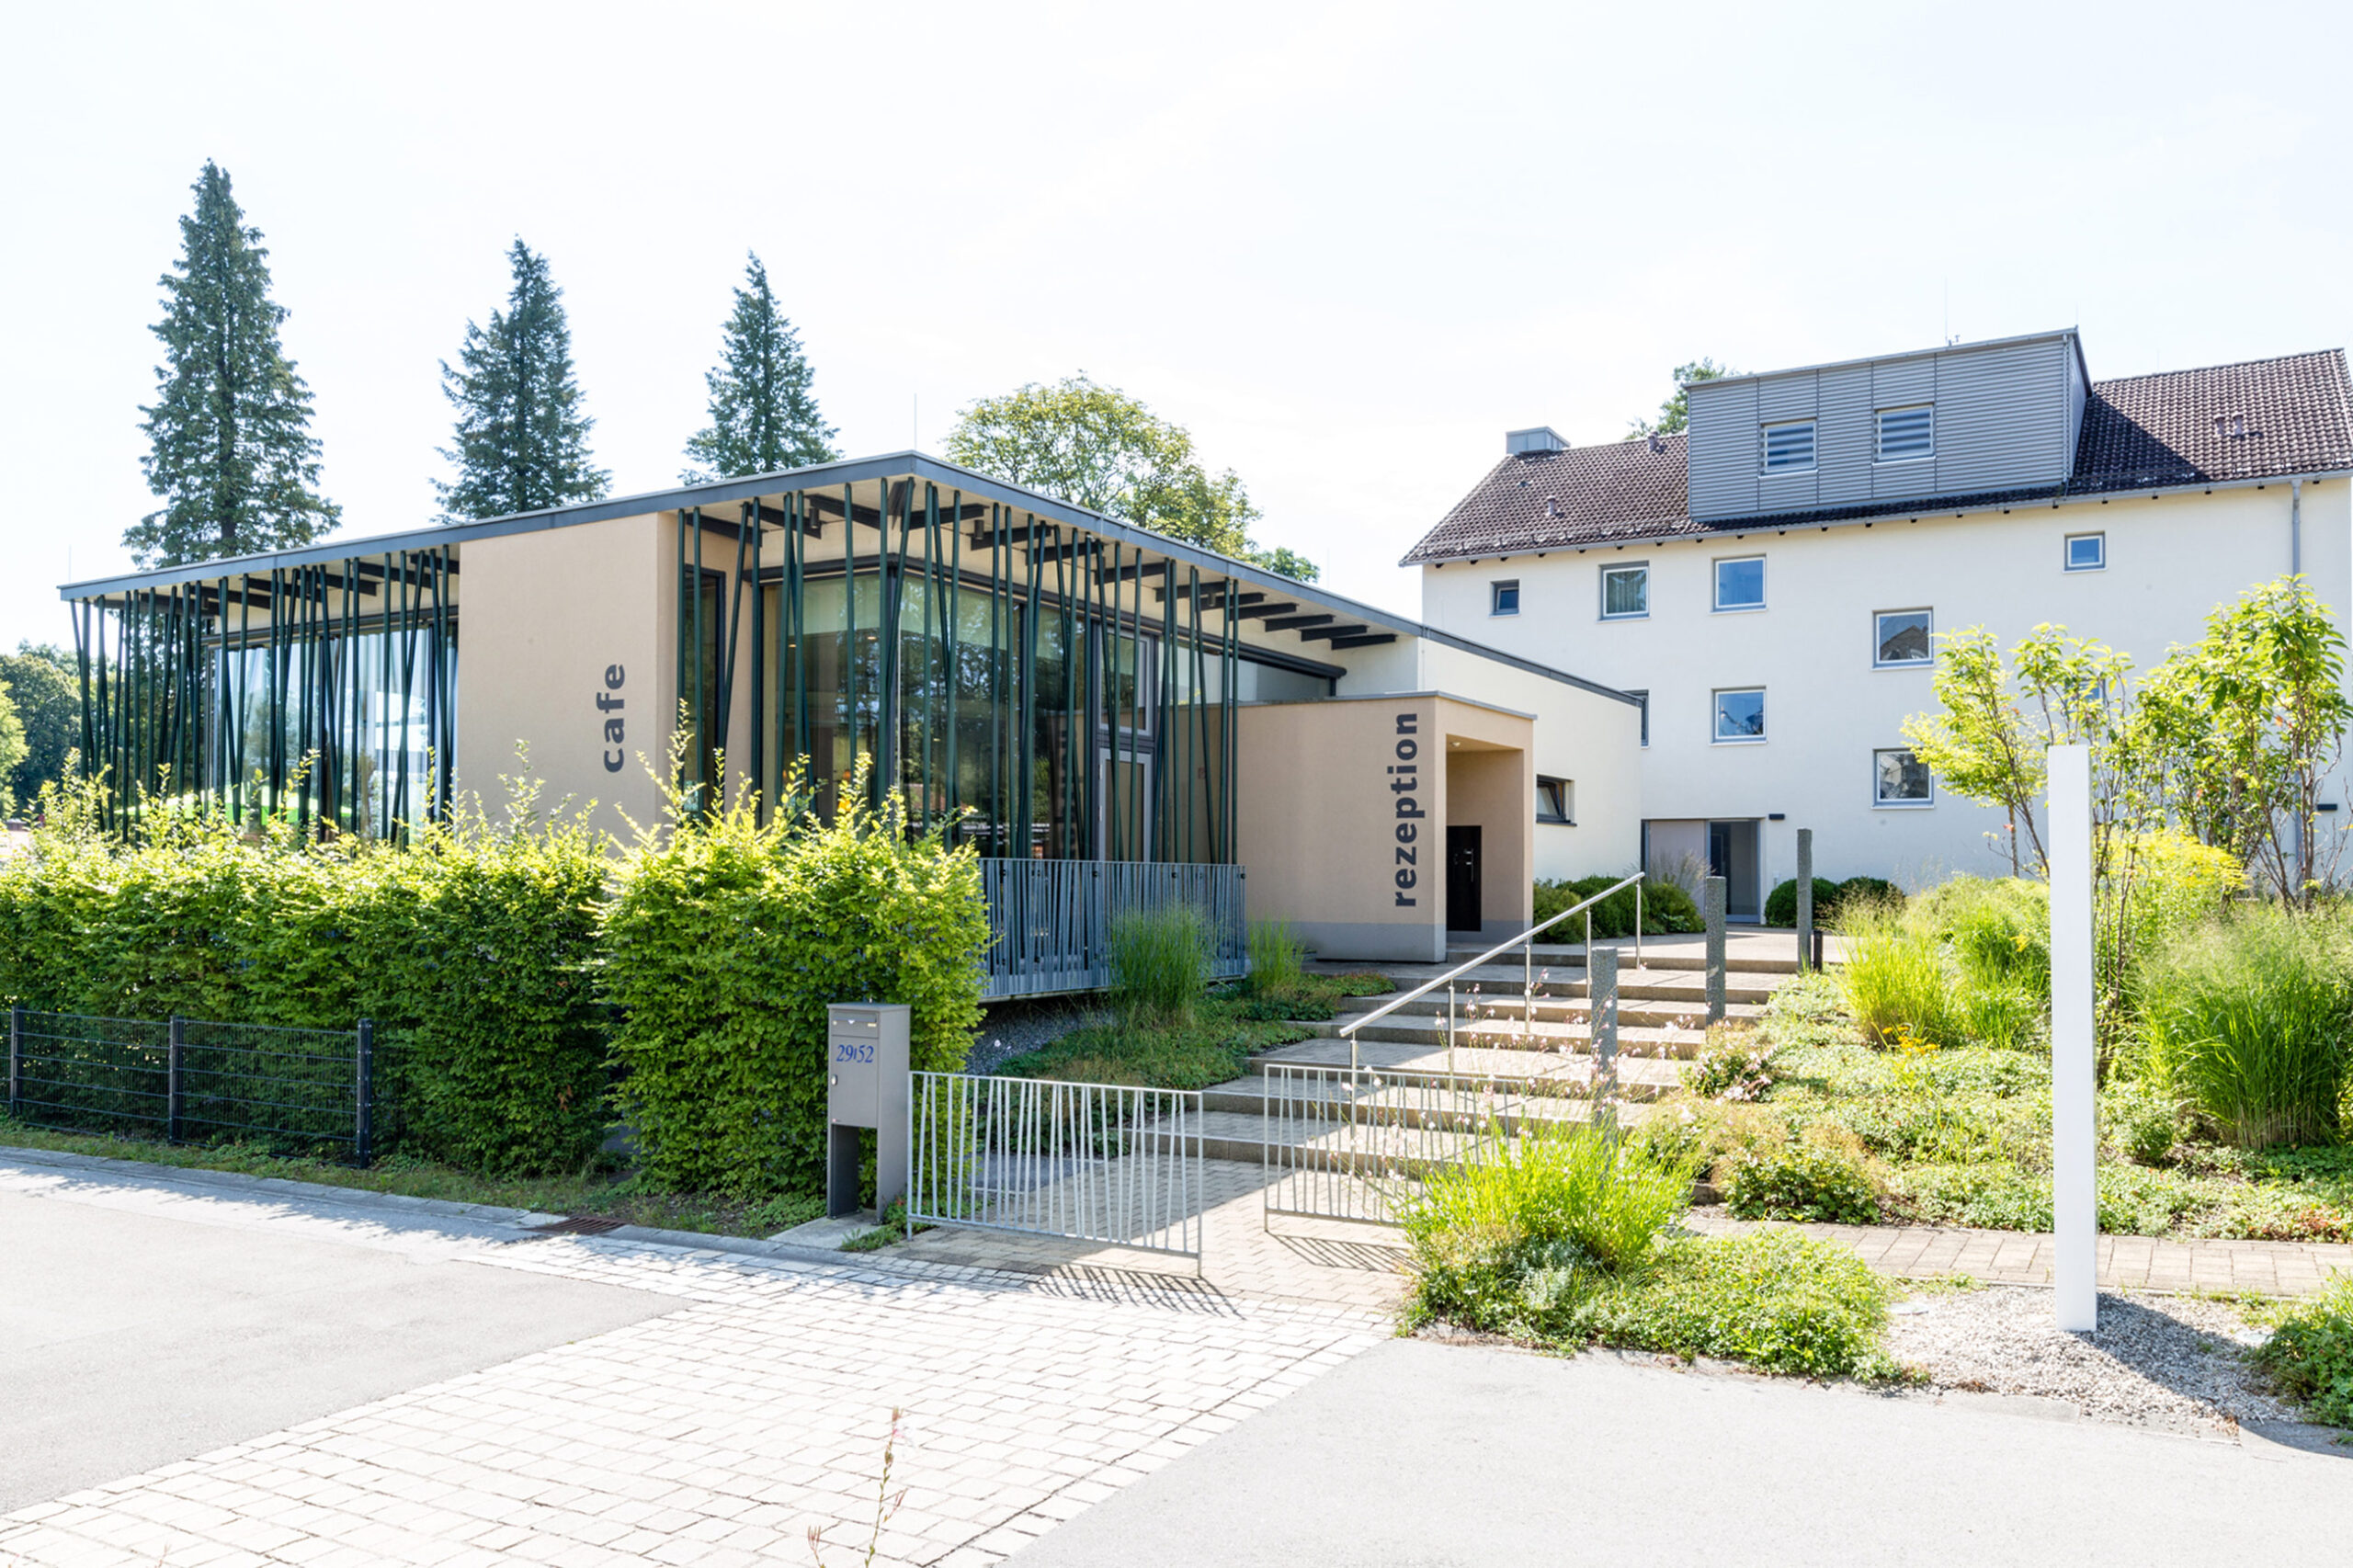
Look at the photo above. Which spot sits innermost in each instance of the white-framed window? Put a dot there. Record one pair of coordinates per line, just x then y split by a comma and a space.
1907, 433
1900, 778
1900, 638
1642, 700
1740, 583
1556, 800
1740, 715
1503, 598
1626, 591
2086, 552
1789, 448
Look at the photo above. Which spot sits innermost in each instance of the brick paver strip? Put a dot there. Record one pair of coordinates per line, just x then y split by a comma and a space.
2125, 1262
718, 1434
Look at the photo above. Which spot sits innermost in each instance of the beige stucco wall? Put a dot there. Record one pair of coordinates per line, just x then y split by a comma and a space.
567, 647
1356, 863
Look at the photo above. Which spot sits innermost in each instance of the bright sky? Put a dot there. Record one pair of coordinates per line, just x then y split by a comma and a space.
1348, 245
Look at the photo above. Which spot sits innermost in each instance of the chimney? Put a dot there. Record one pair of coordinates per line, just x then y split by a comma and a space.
1542, 438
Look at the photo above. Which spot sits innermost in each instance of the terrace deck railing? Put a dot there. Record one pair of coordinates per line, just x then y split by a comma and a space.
1051, 919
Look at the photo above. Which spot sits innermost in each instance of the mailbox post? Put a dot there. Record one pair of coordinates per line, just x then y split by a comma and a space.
867, 1084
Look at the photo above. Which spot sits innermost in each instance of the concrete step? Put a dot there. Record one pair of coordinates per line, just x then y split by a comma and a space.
1574, 958
1570, 999
1399, 1147
1636, 1062
1570, 1039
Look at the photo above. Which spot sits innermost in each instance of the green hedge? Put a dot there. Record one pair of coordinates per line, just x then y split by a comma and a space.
728, 939
471, 949
1665, 908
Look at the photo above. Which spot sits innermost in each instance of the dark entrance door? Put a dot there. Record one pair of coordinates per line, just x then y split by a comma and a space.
1463, 878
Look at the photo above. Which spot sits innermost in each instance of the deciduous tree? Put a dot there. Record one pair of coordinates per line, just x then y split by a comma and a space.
1674, 412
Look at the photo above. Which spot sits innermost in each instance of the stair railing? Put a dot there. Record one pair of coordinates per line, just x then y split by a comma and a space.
1525, 942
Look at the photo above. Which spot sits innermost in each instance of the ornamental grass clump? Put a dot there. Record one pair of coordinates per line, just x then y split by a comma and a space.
1160, 963
1276, 958
2247, 1020
1895, 978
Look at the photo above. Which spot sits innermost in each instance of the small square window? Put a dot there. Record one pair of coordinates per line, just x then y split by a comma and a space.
1556, 800
1740, 715
1900, 637
2086, 552
1740, 584
1900, 778
1503, 598
1907, 433
1789, 448
1625, 592
1643, 700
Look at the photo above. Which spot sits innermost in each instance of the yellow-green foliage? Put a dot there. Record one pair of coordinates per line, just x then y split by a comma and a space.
728, 939
470, 949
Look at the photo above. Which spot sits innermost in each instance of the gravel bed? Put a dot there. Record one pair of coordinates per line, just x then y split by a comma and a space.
1012, 1028
2172, 1362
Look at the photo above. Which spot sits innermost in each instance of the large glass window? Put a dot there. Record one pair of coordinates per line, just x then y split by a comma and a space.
1900, 637
1625, 592
1740, 715
1740, 584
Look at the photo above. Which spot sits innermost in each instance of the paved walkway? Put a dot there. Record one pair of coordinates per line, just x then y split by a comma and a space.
2125, 1262
717, 1433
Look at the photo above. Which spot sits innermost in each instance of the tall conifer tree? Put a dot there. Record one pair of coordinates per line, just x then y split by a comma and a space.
230, 453
763, 414
522, 442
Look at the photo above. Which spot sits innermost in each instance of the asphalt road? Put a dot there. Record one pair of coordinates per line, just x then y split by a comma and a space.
130, 1338
1417, 1455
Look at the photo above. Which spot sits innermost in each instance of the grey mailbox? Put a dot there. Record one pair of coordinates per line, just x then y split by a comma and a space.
866, 1085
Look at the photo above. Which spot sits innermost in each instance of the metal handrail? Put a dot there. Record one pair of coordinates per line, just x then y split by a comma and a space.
1525, 941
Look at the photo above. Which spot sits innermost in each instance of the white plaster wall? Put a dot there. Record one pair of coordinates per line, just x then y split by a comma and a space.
2170, 561
1580, 735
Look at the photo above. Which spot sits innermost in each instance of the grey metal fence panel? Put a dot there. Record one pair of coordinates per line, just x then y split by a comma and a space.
1051, 919
190, 1080
1100, 1162
1354, 1143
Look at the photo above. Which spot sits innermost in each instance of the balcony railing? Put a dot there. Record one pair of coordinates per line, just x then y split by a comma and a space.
1052, 918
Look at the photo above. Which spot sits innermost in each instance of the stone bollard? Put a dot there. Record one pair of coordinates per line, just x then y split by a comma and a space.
1601, 992
1712, 905
1805, 898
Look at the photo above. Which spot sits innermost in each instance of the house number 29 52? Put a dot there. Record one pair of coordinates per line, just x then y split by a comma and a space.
853, 1051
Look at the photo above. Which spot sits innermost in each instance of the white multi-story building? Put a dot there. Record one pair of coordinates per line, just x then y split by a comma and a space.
1771, 579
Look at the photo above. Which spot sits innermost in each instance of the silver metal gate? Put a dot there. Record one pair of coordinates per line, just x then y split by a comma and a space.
1353, 1144
1102, 1163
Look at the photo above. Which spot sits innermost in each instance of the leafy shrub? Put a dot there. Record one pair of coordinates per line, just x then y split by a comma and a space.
2310, 1354
1737, 1065
2141, 1123
1870, 890
1160, 961
1666, 908
2246, 1018
727, 941
1819, 1176
1781, 903
471, 949
1275, 955
1773, 1298
1471, 1229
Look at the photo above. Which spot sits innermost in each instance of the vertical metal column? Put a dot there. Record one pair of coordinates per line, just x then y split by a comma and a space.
363, 1137
171, 1081
16, 1057
1601, 967
1712, 905
1805, 898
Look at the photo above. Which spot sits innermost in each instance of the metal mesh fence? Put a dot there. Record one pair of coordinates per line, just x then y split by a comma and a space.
190, 1080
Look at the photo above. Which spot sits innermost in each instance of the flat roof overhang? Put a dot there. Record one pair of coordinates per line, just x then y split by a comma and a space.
877, 471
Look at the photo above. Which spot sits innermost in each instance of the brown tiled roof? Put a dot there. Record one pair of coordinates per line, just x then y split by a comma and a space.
2277, 417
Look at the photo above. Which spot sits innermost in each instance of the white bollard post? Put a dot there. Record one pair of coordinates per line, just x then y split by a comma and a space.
2074, 1200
